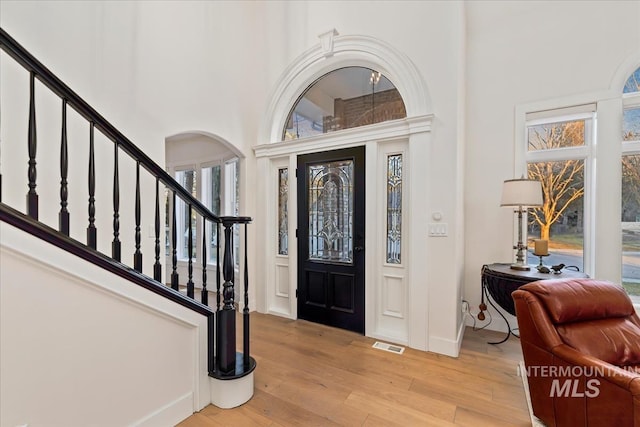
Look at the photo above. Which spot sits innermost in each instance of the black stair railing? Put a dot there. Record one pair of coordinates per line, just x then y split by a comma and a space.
224, 361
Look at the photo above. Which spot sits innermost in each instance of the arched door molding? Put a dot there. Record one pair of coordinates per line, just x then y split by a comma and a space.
396, 296
344, 51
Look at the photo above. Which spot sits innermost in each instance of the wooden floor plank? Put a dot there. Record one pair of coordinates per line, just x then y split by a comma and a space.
313, 375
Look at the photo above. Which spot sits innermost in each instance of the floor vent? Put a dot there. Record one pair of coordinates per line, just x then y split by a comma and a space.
388, 347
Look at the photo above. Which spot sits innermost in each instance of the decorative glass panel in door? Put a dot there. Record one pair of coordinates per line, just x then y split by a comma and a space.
330, 198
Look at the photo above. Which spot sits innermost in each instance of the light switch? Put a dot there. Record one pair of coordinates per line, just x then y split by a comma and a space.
438, 229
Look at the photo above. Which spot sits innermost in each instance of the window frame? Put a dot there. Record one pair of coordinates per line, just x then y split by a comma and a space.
202, 195
586, 153
628, 148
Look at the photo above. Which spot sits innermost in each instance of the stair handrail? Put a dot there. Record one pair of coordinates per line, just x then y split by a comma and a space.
50, 80
226, 363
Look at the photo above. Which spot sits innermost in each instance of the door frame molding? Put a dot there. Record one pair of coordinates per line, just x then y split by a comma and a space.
277, 274
275, 294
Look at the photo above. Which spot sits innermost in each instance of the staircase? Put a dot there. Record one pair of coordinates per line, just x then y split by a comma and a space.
86, 338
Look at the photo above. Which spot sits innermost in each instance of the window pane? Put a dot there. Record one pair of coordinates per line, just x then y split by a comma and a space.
188, 180
283, 211
633, 82
631, 124
214, 189
631, 225
343, 99
394, 208
560, 219
556, 135
214, 195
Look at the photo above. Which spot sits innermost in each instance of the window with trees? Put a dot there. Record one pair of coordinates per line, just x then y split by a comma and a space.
630, 189
559, 155
216, 185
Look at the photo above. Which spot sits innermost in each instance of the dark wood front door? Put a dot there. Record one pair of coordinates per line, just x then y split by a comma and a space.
331, 238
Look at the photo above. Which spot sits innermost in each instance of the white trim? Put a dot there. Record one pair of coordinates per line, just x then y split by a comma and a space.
623, 72
575, 105
348, 138
175, 137
41, 255
413, 131
352, 50
170, 414
446, 346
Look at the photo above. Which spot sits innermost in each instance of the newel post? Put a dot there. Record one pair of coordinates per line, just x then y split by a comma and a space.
226, 352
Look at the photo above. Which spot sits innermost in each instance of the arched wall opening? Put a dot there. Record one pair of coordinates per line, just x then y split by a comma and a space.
211, 168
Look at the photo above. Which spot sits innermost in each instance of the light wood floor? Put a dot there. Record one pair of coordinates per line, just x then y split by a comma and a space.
313, 375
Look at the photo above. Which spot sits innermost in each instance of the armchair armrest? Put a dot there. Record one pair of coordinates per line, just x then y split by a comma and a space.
625, 379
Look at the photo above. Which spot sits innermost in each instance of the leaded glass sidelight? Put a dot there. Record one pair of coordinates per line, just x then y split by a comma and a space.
331, 211
394, 208
283, 211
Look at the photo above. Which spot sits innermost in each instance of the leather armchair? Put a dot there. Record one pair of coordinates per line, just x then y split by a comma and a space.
581, 345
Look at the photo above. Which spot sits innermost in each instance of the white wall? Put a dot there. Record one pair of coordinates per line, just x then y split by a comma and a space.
91, 348
519, 53
156, 69
160, 68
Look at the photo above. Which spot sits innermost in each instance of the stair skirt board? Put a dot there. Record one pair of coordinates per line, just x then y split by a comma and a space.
170, 414
231, 393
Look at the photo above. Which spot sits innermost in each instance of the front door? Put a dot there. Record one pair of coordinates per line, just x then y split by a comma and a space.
331, 238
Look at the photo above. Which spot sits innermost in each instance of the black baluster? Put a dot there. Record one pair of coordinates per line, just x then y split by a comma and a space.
137, 256
205, 294
174, 252
157, 267
92, 239
116, 246
245, 311
32, 196
217, 291
190, 262
217, 266
227, 316
63, 216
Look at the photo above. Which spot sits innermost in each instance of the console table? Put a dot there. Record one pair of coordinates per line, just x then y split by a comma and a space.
500, 280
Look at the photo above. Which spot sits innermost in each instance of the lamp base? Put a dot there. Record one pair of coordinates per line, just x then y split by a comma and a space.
521, 267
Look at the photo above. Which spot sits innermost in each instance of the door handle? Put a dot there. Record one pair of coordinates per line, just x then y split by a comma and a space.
358, 249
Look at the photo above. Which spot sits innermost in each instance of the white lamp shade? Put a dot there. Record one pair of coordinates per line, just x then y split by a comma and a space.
521, 192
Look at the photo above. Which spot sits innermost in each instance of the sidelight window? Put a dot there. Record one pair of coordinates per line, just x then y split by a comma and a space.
394, 208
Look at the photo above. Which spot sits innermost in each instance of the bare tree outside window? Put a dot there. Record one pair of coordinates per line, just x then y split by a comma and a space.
562, 181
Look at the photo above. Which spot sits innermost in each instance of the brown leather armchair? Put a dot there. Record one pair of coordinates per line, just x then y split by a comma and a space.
581, 345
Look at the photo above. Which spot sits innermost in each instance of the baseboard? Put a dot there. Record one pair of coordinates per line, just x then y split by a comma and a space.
170, 414
522, 372
446, 346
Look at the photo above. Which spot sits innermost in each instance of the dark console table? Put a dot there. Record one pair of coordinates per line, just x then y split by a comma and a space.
500, 280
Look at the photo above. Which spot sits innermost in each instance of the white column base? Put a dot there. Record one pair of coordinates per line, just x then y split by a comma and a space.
231, 393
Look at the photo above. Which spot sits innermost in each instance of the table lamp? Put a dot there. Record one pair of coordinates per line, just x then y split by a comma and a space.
522, 193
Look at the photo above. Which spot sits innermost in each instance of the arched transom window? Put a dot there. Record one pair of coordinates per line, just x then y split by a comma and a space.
345, 98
